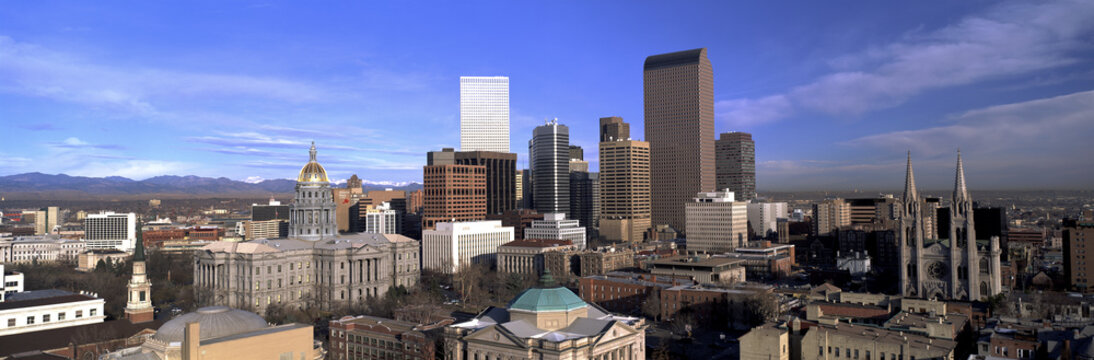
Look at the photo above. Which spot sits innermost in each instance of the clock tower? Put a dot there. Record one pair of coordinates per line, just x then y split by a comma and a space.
138, 307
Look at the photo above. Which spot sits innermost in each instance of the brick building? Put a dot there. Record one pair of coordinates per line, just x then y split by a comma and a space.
453, 192
356, 337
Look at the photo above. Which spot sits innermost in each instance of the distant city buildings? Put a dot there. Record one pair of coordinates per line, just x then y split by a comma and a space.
679, 113
45, 248
354, 337
1078, 234
526, 257
764, 217
381, 219
624, 182
484, 113
109, 230
716, 222
735, 161
549, 153
829, 215
453, 245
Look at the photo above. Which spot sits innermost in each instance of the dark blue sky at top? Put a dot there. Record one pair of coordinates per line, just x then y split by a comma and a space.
834, 92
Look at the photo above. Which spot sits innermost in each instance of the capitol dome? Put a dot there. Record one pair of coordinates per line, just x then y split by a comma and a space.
215, 321
312, 171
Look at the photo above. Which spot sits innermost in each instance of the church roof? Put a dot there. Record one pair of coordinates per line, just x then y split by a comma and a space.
547, 299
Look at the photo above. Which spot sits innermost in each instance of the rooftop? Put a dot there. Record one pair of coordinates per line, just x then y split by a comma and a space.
696, 261
41, 297
540, 243
547, 299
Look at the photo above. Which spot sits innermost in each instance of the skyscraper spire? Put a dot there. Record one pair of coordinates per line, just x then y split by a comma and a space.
960, 193
910, 193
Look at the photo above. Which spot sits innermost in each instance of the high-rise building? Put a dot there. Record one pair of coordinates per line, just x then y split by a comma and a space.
555, 226
452, 192
716, 222
452, 245
576, 153
501, 181
613, 128
764, 217
108, 230
381, 219
624, 183
484, 113
735, 164
549, 151
272, 211
313, 208
1077, 234
585, 200
679, 114
830, 214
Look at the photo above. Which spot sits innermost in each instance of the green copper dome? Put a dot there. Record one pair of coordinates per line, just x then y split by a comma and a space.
547, 299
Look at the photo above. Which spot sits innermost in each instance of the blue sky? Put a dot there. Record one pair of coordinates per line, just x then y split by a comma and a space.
834, 92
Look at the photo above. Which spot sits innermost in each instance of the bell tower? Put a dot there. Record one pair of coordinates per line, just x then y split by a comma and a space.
138, 307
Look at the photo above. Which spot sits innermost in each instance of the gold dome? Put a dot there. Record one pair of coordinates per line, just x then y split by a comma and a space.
312, 171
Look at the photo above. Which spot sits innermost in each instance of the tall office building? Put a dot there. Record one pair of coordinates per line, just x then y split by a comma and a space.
109, 230
716, 222
585, 200
501, 171
735, 164
484, 113
549, 151
764, 217
613, 128
830, 214
1077, 234
453, 192
679, 109
624, 182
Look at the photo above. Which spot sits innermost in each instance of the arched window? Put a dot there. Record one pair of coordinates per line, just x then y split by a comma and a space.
984, 288
984, 266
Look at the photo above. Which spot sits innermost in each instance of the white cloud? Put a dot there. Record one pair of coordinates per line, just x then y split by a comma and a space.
1009, 39
133, 169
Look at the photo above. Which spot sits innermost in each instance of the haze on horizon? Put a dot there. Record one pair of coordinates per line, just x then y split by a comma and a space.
834, 93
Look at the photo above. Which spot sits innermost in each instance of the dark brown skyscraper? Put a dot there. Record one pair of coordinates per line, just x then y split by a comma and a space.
679, 102
735, 164
613, 128
501, 174
452, 191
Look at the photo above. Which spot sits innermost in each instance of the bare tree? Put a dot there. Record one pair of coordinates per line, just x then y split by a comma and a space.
651, 307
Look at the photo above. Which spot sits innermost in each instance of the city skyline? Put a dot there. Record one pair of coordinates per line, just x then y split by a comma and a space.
833, 100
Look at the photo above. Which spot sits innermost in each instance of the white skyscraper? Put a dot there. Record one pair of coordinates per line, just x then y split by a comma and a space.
484, 113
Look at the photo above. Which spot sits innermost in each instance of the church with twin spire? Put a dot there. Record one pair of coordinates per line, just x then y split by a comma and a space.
956, 267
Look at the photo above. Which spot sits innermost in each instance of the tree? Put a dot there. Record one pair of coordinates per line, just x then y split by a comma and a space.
651, 307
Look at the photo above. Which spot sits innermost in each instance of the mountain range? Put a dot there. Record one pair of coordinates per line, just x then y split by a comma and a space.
39, 185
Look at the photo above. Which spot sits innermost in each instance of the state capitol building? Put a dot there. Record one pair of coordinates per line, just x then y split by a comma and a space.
314, 265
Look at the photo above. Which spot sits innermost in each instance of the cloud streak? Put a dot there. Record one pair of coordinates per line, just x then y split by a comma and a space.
1009, 39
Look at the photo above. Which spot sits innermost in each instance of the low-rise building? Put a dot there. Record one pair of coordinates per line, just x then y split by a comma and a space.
556, 226
625, 292
766, 342
867, 342
705, 301
526, 257
766, 261
518, 219
10, 282
576, 263
705, 270
451, 245
359, 337
220, 332
26, 249
88, 260
30, 311
547, 322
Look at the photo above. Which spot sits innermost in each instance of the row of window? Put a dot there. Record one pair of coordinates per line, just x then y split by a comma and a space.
848, 353
45, 318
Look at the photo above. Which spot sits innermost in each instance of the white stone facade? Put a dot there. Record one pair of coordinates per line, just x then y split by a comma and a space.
451, 245
62, 309
484, 113
555, 226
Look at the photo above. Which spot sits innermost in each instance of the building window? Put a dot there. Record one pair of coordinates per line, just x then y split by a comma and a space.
92, 312
11, 322
79, 314
45, 318
30, 320
60, 316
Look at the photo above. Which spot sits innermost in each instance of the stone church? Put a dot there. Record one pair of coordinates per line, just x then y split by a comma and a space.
960, 267
314, 266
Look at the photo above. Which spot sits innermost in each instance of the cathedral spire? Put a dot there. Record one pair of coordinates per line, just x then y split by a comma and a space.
960, 193
312, 151
138, 251
910, 193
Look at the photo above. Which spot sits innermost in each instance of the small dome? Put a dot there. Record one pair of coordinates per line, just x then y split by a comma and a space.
215, 321
547, 299
312, 171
